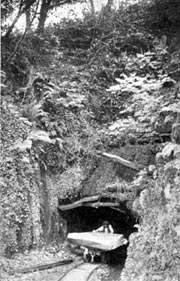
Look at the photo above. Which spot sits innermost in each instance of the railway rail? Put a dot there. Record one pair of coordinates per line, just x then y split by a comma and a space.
81, 272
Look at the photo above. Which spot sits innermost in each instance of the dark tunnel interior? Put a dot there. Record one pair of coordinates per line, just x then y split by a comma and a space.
84, 219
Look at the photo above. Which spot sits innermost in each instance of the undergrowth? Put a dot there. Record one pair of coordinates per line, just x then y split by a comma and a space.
108, 81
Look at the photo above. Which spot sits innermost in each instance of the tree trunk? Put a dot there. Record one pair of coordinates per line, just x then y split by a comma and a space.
92, 7
109, 5
21, 11
28, 19
13, 24
43, 15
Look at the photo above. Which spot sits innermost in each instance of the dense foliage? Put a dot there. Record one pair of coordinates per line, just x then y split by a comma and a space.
154, 251
107, 82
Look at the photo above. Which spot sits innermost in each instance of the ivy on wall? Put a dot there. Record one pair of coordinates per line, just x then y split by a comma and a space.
20, 206
153, 253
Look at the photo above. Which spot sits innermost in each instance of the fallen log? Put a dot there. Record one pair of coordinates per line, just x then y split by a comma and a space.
120, 160
40, 267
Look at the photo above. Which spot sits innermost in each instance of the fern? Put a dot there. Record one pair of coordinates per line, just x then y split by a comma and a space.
33, 111
34, 138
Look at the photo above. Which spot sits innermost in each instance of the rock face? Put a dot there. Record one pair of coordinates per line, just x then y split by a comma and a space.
153, 252
35, 219
25, 211
18, 189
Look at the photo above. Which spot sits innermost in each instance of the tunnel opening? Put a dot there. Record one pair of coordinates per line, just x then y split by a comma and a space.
86, 218
83, 219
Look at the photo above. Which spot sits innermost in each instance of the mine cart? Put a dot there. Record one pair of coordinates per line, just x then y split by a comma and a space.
97, 243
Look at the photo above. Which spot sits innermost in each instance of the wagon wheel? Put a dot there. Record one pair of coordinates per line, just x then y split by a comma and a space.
105, 257
87, 258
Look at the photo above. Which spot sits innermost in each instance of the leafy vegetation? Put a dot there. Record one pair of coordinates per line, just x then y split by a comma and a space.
106, 83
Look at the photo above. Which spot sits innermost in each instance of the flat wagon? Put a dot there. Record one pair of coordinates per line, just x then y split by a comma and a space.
97, 243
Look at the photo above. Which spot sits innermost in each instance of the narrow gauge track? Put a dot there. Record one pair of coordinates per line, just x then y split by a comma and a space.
81, 272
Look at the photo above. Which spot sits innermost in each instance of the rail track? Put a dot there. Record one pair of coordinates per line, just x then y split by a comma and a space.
81, 272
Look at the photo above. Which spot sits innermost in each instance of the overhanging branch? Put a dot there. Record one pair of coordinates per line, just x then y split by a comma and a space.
21, 11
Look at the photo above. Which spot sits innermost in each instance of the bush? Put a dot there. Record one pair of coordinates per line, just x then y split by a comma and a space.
163, 16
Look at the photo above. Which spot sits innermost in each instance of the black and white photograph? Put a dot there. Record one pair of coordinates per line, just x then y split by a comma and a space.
90, 140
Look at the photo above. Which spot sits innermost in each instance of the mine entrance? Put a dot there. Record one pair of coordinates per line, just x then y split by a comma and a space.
83, 219
87, 215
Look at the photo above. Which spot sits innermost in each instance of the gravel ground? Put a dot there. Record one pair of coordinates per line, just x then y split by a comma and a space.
34, 258
51, 255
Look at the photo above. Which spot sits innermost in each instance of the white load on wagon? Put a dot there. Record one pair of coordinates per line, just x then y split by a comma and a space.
97, 240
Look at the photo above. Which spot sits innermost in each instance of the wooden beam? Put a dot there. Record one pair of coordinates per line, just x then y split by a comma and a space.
91, 198
101, 204
88, 202
79, 203
120, 160
40, 267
